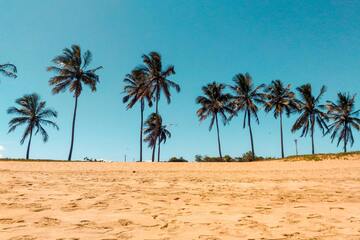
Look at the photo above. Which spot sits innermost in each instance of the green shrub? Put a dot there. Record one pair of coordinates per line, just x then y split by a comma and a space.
175, 159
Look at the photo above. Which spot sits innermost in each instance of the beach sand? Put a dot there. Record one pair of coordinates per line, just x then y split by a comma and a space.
108, 201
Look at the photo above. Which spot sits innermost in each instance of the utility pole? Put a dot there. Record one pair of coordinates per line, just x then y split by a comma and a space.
296, 146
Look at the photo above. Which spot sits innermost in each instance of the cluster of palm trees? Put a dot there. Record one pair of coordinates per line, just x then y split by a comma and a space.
146, 83
72, 72
335, 118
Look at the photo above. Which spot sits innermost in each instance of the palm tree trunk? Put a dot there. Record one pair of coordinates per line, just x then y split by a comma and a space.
158, 149
281, 137
312, 138
251, 137
28, 147
218, 135
73, 128
157, 112
153, 153
141, 127
345, 139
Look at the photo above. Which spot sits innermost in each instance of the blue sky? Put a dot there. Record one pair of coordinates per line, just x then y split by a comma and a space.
295, 41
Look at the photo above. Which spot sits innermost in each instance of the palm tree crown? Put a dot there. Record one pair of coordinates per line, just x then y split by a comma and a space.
246, 97
136, 87
8, 70
280, 99
344, 118
158, 77
33, 113
214, 102
72, 71
311, 112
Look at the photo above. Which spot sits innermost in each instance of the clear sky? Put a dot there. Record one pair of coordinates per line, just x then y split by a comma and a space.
295, 41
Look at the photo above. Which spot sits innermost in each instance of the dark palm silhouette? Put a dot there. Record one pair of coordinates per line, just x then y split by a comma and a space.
280, 99
311, 112
213, 103
33, 113
344, 119
8, 70
72, 72
158, 79
155, 130
246, 96
136, 89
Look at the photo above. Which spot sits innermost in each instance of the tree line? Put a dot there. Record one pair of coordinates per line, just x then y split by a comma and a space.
335, 118
148, 81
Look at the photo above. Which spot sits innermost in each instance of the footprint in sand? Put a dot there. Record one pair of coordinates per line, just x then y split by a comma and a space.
125, 222
72, 206
10, 221
37, 207
47, 222
100, 204
208, 237
23, 237
216, 212
313, 215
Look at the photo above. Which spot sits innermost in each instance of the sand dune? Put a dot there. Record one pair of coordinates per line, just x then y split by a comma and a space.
108, 201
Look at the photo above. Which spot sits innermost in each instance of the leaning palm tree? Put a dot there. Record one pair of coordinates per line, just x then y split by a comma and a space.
164, 134
344, 118
136, 89
72, 72
33, 113
311, 112
214, 103
158, 77
155, 130
246, 97
8, 70
280, 99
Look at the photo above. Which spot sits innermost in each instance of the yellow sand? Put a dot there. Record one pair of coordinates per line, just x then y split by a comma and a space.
108, 201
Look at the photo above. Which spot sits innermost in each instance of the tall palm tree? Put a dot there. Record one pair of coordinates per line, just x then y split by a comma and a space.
246, 98
156, 130
158, 78
136, 89
280, 99
311, 112
33, 113
344, 118
8, 70
214, 103
72, 72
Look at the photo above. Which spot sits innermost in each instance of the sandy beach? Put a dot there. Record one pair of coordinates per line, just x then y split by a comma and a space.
108, 201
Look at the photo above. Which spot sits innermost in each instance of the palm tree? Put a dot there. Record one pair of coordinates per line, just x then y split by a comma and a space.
213, 103
310, 112
8, 70
33, 113
246, 96
158, 78
280, 99
164, 134
136, 89
344, 118
72, 72
156, 130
